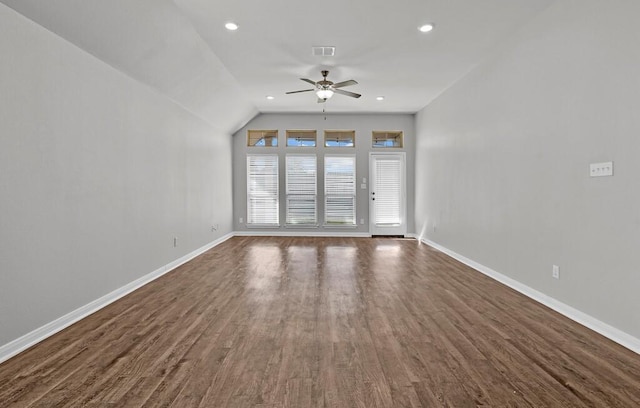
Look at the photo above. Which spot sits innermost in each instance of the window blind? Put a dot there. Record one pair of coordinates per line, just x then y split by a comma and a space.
339, 138
262, 138
301, 138
340, 190
301, 189
387, 138
262, 189
388, 195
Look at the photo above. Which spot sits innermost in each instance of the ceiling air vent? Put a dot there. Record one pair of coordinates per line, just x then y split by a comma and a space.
323, 51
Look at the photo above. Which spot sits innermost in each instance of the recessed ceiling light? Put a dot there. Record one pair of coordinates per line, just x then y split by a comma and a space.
231, 26
426, 28
380, 98
269, 97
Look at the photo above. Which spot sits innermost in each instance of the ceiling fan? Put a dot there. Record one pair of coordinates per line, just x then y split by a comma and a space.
325, 89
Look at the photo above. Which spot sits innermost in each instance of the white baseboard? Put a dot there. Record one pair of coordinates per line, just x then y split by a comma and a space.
22, 343
290, 233
617, 335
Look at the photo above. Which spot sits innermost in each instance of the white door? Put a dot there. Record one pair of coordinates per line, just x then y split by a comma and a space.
387, 194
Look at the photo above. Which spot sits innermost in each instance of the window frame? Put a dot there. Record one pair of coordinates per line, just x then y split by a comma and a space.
310, 132
400, 136
327, 132
264, 135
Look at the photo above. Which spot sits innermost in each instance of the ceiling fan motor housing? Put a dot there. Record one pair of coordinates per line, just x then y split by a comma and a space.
325, 83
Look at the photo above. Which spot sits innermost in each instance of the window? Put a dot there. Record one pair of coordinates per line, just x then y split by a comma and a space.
301, 189
262, 189
387, 138
262, 138
301, 138
340, 190
339, 138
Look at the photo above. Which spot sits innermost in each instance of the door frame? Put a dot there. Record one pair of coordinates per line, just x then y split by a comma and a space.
390, 230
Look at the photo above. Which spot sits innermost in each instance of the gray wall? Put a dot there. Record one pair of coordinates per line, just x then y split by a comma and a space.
98, 174
503, 160
363, 125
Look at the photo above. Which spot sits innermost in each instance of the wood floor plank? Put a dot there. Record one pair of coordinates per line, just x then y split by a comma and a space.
323, 323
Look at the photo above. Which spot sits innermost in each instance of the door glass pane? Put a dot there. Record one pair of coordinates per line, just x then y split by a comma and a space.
388, 192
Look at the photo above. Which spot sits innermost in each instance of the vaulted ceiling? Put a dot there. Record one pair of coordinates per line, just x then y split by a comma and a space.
182, 49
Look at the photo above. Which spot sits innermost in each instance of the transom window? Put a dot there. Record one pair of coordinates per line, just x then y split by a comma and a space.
262, 138
301, 138
339, 138
387, 138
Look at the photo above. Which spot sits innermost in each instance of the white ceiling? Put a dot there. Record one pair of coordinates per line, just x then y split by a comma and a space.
181, 48
377, 44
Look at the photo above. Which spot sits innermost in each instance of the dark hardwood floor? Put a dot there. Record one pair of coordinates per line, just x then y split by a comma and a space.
323, 322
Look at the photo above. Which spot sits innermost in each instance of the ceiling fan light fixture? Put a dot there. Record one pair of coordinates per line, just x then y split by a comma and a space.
425, 28
324, 93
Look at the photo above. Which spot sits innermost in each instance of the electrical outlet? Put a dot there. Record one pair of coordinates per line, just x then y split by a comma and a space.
555, 272
175, 242
361, 221
214, 227
240, 220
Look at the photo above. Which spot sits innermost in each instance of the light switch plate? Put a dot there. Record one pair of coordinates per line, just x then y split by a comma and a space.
601, 169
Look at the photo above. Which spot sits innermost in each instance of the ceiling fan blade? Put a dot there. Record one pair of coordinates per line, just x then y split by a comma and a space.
304, 90
308, 80
320, 100
347, 93
345, 83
